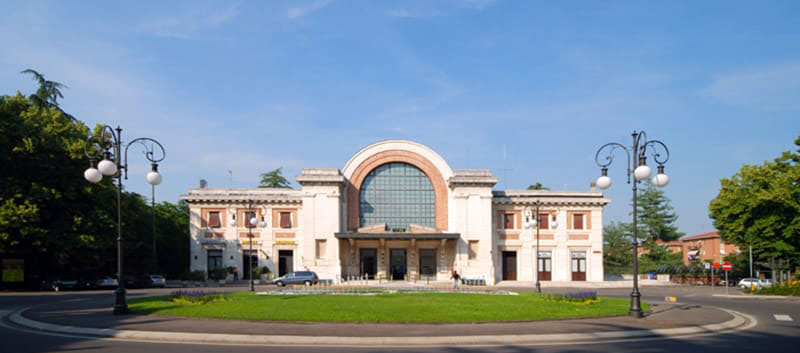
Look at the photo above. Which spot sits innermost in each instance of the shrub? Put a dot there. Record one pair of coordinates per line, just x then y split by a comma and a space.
583, 297
785, 288
197, 297
218, 274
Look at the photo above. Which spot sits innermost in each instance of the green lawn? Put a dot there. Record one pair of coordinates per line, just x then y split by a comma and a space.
398, 308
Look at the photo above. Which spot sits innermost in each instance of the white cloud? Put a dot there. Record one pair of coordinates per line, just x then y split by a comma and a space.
301, 11
474, 4
411, 14
775, 88
186, 25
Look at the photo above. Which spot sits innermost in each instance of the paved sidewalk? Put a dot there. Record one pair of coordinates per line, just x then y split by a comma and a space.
86, 318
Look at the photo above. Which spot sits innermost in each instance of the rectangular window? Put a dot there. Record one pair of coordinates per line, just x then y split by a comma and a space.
508, 221
213, 219
577, 221
473, 249
321, 246
544, 221
286, 219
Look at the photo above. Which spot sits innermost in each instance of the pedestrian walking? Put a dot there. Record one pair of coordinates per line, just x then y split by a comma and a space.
456, 278
235, 274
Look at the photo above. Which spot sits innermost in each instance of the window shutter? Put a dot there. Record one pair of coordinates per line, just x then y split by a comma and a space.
509, 220
577, 221
213, 219
544, 218
286, 220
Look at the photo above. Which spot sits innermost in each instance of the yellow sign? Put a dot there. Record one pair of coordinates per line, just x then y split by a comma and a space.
13, 270
249, 241
284, 242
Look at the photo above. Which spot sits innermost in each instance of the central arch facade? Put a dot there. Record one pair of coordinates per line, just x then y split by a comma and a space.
374, 156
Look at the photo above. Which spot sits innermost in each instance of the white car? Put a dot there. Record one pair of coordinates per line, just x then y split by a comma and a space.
753, 282
158, 281
107, 282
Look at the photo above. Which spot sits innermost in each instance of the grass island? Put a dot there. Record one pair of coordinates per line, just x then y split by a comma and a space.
380, 308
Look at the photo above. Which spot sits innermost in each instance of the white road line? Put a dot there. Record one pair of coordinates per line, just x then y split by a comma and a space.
782, 317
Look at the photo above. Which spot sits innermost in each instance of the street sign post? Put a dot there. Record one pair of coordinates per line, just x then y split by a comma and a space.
727, 267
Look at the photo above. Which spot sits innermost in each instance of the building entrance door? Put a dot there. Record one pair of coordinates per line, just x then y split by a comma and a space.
427, 264
509, 265
545, 266
249, 260
368, 263
285, 262
397, 261
579, 266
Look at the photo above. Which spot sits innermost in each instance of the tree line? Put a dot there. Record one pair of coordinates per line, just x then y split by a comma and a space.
54, 221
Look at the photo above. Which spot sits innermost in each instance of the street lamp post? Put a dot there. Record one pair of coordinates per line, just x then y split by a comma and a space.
109, 146
535, 223
250, 223
637, 165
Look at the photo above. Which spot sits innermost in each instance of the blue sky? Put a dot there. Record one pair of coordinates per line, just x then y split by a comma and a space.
527, 89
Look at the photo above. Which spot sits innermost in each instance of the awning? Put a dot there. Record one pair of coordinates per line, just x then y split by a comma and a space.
397, 236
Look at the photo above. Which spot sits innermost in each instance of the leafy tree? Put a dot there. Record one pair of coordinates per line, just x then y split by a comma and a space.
274, 179
760, 206
655, 216
48, 93
537, 186
617, 248
58, 223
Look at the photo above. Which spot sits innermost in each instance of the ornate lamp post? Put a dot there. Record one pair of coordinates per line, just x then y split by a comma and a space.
638, 167
535, 223
109, 146
251, 223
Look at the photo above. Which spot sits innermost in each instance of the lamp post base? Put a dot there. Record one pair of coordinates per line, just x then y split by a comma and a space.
636, 308
120, 306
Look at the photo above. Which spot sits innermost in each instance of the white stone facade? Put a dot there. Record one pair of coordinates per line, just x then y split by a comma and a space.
475, 230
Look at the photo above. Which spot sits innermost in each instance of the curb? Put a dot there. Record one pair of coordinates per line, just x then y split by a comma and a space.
739, 320
754, 296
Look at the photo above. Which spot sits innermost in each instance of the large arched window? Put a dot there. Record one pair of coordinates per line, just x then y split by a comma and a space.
397, 194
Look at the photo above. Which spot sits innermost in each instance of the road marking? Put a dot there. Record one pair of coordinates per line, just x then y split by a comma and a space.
782, 317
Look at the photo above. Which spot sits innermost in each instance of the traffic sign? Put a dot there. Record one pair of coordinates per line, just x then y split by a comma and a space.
716, 265
727, 266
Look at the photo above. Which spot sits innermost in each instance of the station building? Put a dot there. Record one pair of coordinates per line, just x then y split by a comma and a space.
396, 211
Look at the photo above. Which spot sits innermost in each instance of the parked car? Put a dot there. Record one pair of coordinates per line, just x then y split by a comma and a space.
106, 282
750, 282
158, 281
65, 284
301, 277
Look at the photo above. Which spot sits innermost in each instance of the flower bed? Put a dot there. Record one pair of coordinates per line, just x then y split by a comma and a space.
197, 297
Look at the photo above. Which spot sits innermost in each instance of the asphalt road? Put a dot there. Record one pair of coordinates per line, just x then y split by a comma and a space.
769, 335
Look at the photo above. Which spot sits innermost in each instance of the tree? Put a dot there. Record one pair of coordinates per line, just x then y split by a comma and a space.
537, 186
655, 216
57, 222
617, 248
760, 206
48, 93
274, 179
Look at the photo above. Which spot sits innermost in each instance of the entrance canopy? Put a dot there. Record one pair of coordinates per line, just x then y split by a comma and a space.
397, 236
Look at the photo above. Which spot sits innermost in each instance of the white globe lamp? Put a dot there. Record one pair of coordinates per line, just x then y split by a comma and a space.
642, 172
107, 167
92, 175
603, 182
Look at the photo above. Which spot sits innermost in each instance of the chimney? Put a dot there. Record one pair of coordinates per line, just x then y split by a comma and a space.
591, 186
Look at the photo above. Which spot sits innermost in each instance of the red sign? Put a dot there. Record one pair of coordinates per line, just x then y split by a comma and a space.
727, 266
715, 265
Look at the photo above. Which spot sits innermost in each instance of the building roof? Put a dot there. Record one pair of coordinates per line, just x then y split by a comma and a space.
397, 235
701, 236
